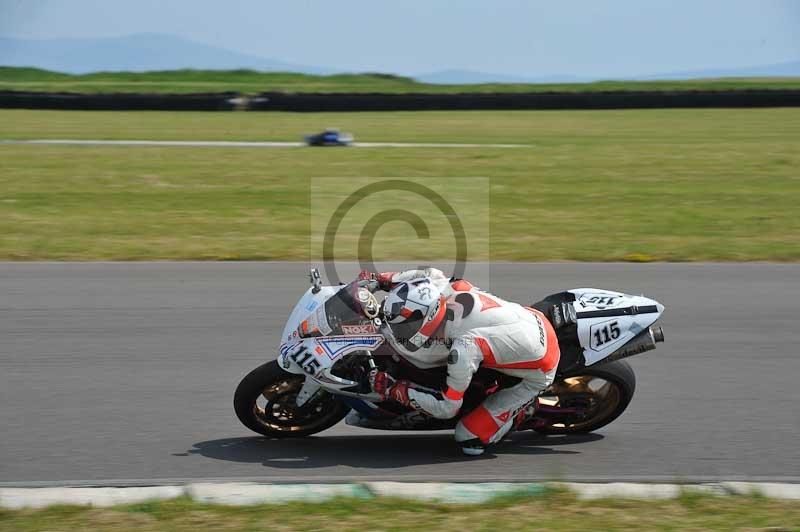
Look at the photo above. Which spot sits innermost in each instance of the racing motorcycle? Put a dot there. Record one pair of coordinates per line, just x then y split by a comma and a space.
332, 340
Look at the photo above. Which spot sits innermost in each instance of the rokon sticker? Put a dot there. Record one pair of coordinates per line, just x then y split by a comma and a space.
359, 329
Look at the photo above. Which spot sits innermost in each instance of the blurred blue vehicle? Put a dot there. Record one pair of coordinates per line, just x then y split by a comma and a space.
329, 137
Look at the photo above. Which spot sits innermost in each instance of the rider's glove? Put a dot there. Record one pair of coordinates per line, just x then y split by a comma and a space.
387, 387
384, 280
365, 275
366, 279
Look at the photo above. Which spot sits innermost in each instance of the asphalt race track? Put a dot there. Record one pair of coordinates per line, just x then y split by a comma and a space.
123, 373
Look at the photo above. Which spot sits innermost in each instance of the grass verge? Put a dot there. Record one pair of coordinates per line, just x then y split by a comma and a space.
670, 185
554, 511
252, 82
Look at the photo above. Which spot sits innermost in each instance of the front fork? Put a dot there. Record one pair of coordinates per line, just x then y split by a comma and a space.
311, 388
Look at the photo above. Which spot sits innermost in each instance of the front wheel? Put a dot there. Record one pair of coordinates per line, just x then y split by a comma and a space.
586, 399
265, 403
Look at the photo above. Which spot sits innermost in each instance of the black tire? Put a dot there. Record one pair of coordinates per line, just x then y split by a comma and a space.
621, 375
279, 388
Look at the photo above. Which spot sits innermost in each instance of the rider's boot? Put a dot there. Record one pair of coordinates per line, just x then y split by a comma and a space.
473, 447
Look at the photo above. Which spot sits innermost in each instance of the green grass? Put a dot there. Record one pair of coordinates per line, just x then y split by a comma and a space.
252, 82
556, 511
671, 185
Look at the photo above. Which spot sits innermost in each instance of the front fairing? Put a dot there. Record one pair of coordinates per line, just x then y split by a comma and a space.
323, 328
309, 303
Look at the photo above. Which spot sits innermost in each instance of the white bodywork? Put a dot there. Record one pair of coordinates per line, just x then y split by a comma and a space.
325, 350
606, 321
600, 335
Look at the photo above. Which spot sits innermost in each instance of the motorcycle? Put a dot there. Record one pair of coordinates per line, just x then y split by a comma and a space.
332, 341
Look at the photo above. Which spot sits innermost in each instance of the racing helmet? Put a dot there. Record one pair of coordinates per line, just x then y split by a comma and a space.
413, 311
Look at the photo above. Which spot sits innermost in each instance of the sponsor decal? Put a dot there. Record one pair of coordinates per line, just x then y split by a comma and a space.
322, 321
425, 293
541, 331
359, 329
311, 306
285, 348
416, 406
557, 319
336, 346
600, 301
315, 324
285, 351
435, 310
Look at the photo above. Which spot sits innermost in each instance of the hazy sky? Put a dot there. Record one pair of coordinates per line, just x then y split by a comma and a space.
585, 38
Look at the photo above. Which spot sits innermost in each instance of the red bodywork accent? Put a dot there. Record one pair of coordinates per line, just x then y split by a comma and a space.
385, 280
486, 350
551, 358
453, 395
481, 423
462, 286
430, 327
487, 302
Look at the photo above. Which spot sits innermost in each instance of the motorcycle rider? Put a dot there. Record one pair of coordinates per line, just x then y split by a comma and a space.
434, 320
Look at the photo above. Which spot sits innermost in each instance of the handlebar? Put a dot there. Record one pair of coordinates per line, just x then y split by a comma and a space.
316, 280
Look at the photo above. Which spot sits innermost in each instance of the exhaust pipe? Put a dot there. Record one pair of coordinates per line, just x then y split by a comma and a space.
658, 334
644, 341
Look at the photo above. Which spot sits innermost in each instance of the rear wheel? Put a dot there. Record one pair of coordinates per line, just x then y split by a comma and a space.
586, 399
265, 403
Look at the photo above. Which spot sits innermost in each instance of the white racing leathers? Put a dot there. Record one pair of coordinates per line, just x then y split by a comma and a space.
483, 330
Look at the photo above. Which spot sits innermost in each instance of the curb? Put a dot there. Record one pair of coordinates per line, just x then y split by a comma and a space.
451, 492
248, 493
245, 493
16, 498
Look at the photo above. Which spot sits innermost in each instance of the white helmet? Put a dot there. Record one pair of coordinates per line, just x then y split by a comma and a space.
413, 311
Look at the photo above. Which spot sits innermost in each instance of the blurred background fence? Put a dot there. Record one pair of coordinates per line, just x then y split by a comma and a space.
311, 102
221, 101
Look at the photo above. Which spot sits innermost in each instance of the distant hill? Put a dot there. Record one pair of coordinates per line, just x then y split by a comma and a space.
147, 52
779, 70
253, 82
134, 53
459, 77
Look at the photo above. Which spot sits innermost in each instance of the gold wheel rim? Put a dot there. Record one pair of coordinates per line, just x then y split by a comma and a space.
603, 398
